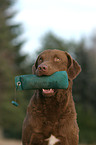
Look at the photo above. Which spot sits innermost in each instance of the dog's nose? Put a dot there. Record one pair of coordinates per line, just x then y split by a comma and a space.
43, 68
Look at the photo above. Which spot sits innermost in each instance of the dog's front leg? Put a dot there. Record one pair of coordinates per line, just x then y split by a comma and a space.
37, 139
62, 140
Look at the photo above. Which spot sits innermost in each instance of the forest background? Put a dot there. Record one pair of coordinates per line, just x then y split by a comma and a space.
13, 63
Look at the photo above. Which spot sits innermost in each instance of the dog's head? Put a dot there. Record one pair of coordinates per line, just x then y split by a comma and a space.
51, 61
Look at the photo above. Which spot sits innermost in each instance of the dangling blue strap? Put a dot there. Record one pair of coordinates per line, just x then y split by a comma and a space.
15, 103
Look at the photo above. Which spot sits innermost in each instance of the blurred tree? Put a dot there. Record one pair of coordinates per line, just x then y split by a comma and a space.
87, 78
84, 93
81, 55
92, 70
10, 64
51, 41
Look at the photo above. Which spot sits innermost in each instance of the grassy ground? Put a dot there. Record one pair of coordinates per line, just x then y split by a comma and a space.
15, 142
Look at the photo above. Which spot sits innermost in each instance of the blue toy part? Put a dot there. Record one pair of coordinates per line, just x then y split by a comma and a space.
58, 80
15, 103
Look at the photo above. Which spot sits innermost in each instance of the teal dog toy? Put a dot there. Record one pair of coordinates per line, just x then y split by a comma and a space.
58, 80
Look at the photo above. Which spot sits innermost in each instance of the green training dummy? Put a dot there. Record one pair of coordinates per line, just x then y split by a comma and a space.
58, 80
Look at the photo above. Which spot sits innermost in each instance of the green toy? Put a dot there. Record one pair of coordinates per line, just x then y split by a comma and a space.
58, 80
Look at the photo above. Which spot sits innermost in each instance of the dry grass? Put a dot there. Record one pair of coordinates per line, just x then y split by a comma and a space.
15, 142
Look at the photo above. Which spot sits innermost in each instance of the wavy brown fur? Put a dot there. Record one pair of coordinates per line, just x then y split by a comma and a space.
55, 114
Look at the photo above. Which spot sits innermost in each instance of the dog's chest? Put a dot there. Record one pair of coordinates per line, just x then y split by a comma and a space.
52, 140
51, 109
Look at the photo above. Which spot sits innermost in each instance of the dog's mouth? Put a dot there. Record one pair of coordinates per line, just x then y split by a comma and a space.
48, 92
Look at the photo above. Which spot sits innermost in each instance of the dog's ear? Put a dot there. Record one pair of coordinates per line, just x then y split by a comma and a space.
34, 67
73, 67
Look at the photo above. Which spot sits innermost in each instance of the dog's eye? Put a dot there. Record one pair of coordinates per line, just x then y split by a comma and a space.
40, 59
56, 59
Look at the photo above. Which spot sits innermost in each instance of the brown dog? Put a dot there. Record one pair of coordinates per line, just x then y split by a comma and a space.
51, 115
